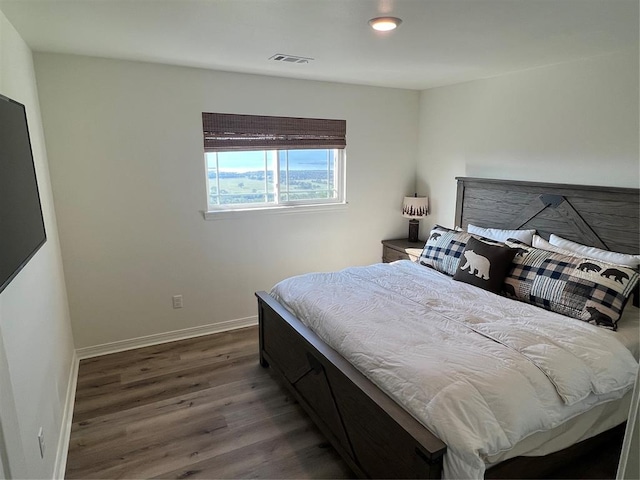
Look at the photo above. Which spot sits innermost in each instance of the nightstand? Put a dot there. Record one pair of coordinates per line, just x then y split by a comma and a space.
401, 249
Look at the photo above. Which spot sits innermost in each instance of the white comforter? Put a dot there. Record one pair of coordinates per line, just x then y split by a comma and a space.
480, 371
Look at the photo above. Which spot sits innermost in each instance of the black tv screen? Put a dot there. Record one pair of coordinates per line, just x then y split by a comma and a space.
21, 224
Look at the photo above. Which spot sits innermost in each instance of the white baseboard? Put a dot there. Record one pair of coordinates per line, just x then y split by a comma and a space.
146, 341
67, 421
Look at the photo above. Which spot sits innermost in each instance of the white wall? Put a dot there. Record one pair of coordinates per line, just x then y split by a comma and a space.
125, 146
36, 346
569, 123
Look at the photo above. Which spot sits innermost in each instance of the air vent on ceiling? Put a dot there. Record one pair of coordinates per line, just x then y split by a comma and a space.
281, 57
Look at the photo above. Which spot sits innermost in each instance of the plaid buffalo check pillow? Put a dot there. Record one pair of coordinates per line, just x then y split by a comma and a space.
443, 249
578, 287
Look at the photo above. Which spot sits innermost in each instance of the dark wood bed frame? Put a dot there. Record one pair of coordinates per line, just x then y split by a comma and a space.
376, 436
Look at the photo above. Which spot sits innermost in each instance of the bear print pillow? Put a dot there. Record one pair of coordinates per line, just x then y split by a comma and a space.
484, 265
575, 286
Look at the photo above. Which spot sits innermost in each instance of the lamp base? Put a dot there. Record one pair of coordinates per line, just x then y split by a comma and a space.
414, 227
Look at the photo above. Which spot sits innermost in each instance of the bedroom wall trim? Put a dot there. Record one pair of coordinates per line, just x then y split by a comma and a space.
155, 339
279, 210
67, 420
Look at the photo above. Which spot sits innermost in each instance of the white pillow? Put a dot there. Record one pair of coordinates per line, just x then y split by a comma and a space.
596, 253
539, 242
500, 235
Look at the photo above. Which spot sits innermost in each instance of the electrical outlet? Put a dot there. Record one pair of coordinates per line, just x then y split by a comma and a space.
177, 301
41, 442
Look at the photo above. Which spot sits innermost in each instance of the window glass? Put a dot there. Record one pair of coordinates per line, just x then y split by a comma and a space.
245, 179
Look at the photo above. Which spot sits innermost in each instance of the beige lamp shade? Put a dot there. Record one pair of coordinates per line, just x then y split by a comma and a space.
415, 207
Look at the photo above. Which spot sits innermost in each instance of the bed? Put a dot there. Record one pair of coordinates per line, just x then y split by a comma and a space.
385, 426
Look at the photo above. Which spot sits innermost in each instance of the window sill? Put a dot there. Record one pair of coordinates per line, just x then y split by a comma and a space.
281, 210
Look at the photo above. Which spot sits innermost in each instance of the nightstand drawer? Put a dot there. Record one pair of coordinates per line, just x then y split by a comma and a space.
401, 249
390, 255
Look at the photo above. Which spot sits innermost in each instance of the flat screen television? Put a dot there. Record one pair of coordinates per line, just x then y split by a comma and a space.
22, 230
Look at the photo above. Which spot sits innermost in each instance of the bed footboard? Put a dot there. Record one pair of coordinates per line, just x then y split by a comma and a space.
375, 436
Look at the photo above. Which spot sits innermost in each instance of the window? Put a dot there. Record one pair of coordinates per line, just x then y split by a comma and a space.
255, 162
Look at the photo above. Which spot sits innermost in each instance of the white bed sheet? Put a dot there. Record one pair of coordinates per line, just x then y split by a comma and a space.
475, 368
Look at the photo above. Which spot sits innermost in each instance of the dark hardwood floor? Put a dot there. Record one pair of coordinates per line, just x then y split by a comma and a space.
197, 408
204, 408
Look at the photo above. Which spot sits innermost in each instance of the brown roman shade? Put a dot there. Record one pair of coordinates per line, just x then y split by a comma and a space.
225, 132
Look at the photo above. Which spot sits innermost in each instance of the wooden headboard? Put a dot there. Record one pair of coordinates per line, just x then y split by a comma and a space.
603, 217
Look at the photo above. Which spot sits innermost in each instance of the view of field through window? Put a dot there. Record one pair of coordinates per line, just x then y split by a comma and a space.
250, 177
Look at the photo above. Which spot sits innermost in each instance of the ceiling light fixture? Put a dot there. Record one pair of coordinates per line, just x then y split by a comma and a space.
384, 24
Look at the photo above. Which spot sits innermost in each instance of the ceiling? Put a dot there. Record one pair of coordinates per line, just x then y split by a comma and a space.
440, 42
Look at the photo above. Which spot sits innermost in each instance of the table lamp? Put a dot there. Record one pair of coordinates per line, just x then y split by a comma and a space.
414, 208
